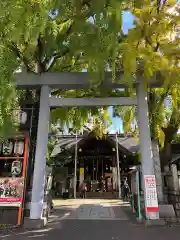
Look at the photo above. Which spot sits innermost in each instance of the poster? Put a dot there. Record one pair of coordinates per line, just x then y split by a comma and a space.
11, 191
151, 194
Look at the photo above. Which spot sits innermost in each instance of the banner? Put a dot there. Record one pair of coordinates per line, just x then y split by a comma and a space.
11, 191
81, 171
151, 194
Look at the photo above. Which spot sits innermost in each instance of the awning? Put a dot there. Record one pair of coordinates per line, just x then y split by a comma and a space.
129, 143
64, 144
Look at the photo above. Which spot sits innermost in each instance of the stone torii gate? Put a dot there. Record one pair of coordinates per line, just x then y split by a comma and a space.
48, 81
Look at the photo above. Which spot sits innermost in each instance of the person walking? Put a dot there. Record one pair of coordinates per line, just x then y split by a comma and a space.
83, 189
126, 189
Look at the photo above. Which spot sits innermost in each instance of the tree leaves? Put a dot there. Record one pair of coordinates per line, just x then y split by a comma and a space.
49, 35
8, 99
77, 117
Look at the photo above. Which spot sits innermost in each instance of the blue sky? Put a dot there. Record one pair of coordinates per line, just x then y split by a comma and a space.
128, 19
117, 125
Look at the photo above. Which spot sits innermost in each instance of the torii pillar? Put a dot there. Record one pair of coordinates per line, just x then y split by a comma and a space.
145, 141
37, 200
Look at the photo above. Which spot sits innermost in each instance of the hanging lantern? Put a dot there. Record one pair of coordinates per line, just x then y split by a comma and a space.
7, 148
16, 168
23, 117
19, 147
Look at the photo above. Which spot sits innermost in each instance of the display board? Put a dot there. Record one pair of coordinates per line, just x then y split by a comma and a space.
13, 168
11, 191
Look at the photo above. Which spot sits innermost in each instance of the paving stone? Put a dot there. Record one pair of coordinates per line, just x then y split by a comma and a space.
83, 220
96, 230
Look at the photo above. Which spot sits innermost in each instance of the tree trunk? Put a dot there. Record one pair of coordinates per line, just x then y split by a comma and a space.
157, 170
152, 102
166, 154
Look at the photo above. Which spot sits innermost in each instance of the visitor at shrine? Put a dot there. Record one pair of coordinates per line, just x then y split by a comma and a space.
83, 189
126, 189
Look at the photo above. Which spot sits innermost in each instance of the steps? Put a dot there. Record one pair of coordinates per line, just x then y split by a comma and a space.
99, 195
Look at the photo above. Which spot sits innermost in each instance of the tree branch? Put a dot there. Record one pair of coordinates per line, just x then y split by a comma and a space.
55, 57
68, 32
41, 66
164, 3
158, 6
164, 95
18, 53
74, 65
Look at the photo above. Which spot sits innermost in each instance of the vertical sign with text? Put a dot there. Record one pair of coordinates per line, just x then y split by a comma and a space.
151, 194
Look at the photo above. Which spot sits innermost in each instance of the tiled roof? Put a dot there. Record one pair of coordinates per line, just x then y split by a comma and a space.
131, 144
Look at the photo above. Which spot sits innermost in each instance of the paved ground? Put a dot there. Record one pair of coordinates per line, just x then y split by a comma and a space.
90, 209
95, 220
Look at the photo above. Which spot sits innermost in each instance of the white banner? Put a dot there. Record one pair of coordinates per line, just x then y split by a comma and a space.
10, 204
151, 194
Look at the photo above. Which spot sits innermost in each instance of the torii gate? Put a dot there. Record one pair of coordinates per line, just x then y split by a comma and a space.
48, 81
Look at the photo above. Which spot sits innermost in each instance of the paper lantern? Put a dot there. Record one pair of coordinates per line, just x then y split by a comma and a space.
16, 167
7, 148
19, 147
23, 117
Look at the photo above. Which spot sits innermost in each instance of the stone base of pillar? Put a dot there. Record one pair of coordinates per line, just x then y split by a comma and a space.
34, 223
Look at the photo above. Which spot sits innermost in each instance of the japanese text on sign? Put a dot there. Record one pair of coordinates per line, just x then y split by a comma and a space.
151, 193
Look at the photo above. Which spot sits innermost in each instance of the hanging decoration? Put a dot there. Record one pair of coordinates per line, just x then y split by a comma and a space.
16, 168
23, 117
19, 147
7, 148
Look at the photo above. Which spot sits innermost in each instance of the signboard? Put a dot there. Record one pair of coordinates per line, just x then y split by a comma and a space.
11, 191
151, 194
81, 171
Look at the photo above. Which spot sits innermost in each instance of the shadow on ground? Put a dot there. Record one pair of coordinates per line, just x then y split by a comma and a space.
60, 227
96, 230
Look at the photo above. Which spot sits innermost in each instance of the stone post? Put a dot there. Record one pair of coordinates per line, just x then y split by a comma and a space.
175, 177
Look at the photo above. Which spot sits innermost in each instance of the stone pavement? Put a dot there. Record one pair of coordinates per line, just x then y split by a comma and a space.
89, 209
84, 220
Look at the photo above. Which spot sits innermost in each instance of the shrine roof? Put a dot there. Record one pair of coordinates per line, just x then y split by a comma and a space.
127, 145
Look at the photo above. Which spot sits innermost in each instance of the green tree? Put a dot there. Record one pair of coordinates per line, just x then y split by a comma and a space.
154, 48
41, 36
164, 119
